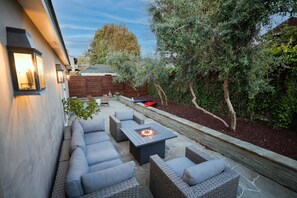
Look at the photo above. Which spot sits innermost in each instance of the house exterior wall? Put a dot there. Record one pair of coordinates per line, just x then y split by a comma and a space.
82, 86
31, 127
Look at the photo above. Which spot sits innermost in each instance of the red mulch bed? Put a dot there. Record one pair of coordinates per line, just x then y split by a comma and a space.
278, 140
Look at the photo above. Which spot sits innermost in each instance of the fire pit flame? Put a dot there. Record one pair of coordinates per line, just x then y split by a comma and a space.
147, 132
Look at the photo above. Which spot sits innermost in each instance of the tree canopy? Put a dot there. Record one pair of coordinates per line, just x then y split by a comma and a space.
111, 38
283, 46
216, 37
137, 71
126, 65
154, 71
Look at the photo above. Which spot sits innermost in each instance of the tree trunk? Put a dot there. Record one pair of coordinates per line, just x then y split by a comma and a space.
134, 88
229, 104
200, 108
159, 93
131, 85
165, 96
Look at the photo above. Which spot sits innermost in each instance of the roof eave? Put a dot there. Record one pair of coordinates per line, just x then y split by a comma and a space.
42, 14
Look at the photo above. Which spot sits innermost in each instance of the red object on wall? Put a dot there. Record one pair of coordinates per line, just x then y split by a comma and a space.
150, 103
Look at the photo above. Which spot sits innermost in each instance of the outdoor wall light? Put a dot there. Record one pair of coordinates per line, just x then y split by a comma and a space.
26, 63
60, 73
67, 76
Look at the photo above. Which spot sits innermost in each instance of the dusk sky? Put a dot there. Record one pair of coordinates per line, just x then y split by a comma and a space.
79, 20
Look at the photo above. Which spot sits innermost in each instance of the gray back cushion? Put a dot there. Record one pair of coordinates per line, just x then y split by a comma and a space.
77, 140
78, 166
203, 171
92, 125
124, 115
179, 164
101, 179
76, 126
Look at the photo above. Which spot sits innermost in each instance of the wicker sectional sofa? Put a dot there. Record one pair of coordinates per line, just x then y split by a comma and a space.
94, 168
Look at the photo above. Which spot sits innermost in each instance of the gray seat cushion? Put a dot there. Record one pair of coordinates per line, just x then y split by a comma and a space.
77, 140
101, 179
100, 152
92, 125
78, 166
124, 115
104, 165
178, 165
129, 123
95, 137
203, 171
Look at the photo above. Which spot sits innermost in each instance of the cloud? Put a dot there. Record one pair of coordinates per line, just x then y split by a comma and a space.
77, 44
79, 24
141, 21
111, 10
72, 27
80, 36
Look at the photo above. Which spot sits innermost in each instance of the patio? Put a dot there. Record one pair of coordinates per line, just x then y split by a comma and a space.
251, 183
32, 116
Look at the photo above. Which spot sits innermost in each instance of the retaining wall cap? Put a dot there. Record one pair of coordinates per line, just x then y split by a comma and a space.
278, 158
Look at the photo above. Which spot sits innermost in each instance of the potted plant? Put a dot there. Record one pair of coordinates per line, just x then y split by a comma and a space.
76, 106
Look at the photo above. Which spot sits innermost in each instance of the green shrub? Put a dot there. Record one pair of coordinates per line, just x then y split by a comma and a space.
79, 108
275, 108
285, 107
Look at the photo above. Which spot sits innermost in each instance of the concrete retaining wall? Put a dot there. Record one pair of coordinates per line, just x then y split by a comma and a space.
275, 166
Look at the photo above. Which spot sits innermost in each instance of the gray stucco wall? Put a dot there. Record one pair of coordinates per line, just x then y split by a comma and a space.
30, 126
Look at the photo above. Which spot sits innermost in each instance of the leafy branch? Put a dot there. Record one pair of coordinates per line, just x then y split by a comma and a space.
76, 106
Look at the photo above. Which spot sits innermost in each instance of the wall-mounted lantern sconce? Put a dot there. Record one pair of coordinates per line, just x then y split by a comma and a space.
60, 73
67, 76
26, 63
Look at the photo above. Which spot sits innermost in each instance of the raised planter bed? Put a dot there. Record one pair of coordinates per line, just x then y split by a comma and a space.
270, 164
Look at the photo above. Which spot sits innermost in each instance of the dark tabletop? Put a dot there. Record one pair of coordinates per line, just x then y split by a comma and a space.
138, 140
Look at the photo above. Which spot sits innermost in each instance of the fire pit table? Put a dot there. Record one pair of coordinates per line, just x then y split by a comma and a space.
146, 140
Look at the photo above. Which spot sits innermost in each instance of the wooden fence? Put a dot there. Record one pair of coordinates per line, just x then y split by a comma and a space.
81, 86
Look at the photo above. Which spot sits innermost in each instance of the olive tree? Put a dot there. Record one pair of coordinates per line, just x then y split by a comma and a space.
125, 65
179, 34
216, 37
137, 71
153, 71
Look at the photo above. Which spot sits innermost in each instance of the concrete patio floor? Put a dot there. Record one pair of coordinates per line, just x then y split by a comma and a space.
251, 183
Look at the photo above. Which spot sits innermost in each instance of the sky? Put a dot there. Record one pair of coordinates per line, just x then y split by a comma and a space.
80, 19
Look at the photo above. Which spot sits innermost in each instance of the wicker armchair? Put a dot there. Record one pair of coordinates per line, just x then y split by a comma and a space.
115, 126
164, 182
104, 100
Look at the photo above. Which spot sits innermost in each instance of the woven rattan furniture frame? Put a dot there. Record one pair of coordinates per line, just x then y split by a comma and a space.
165, 183
115, 127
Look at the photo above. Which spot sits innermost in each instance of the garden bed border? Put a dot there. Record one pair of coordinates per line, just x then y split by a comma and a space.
277, 167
